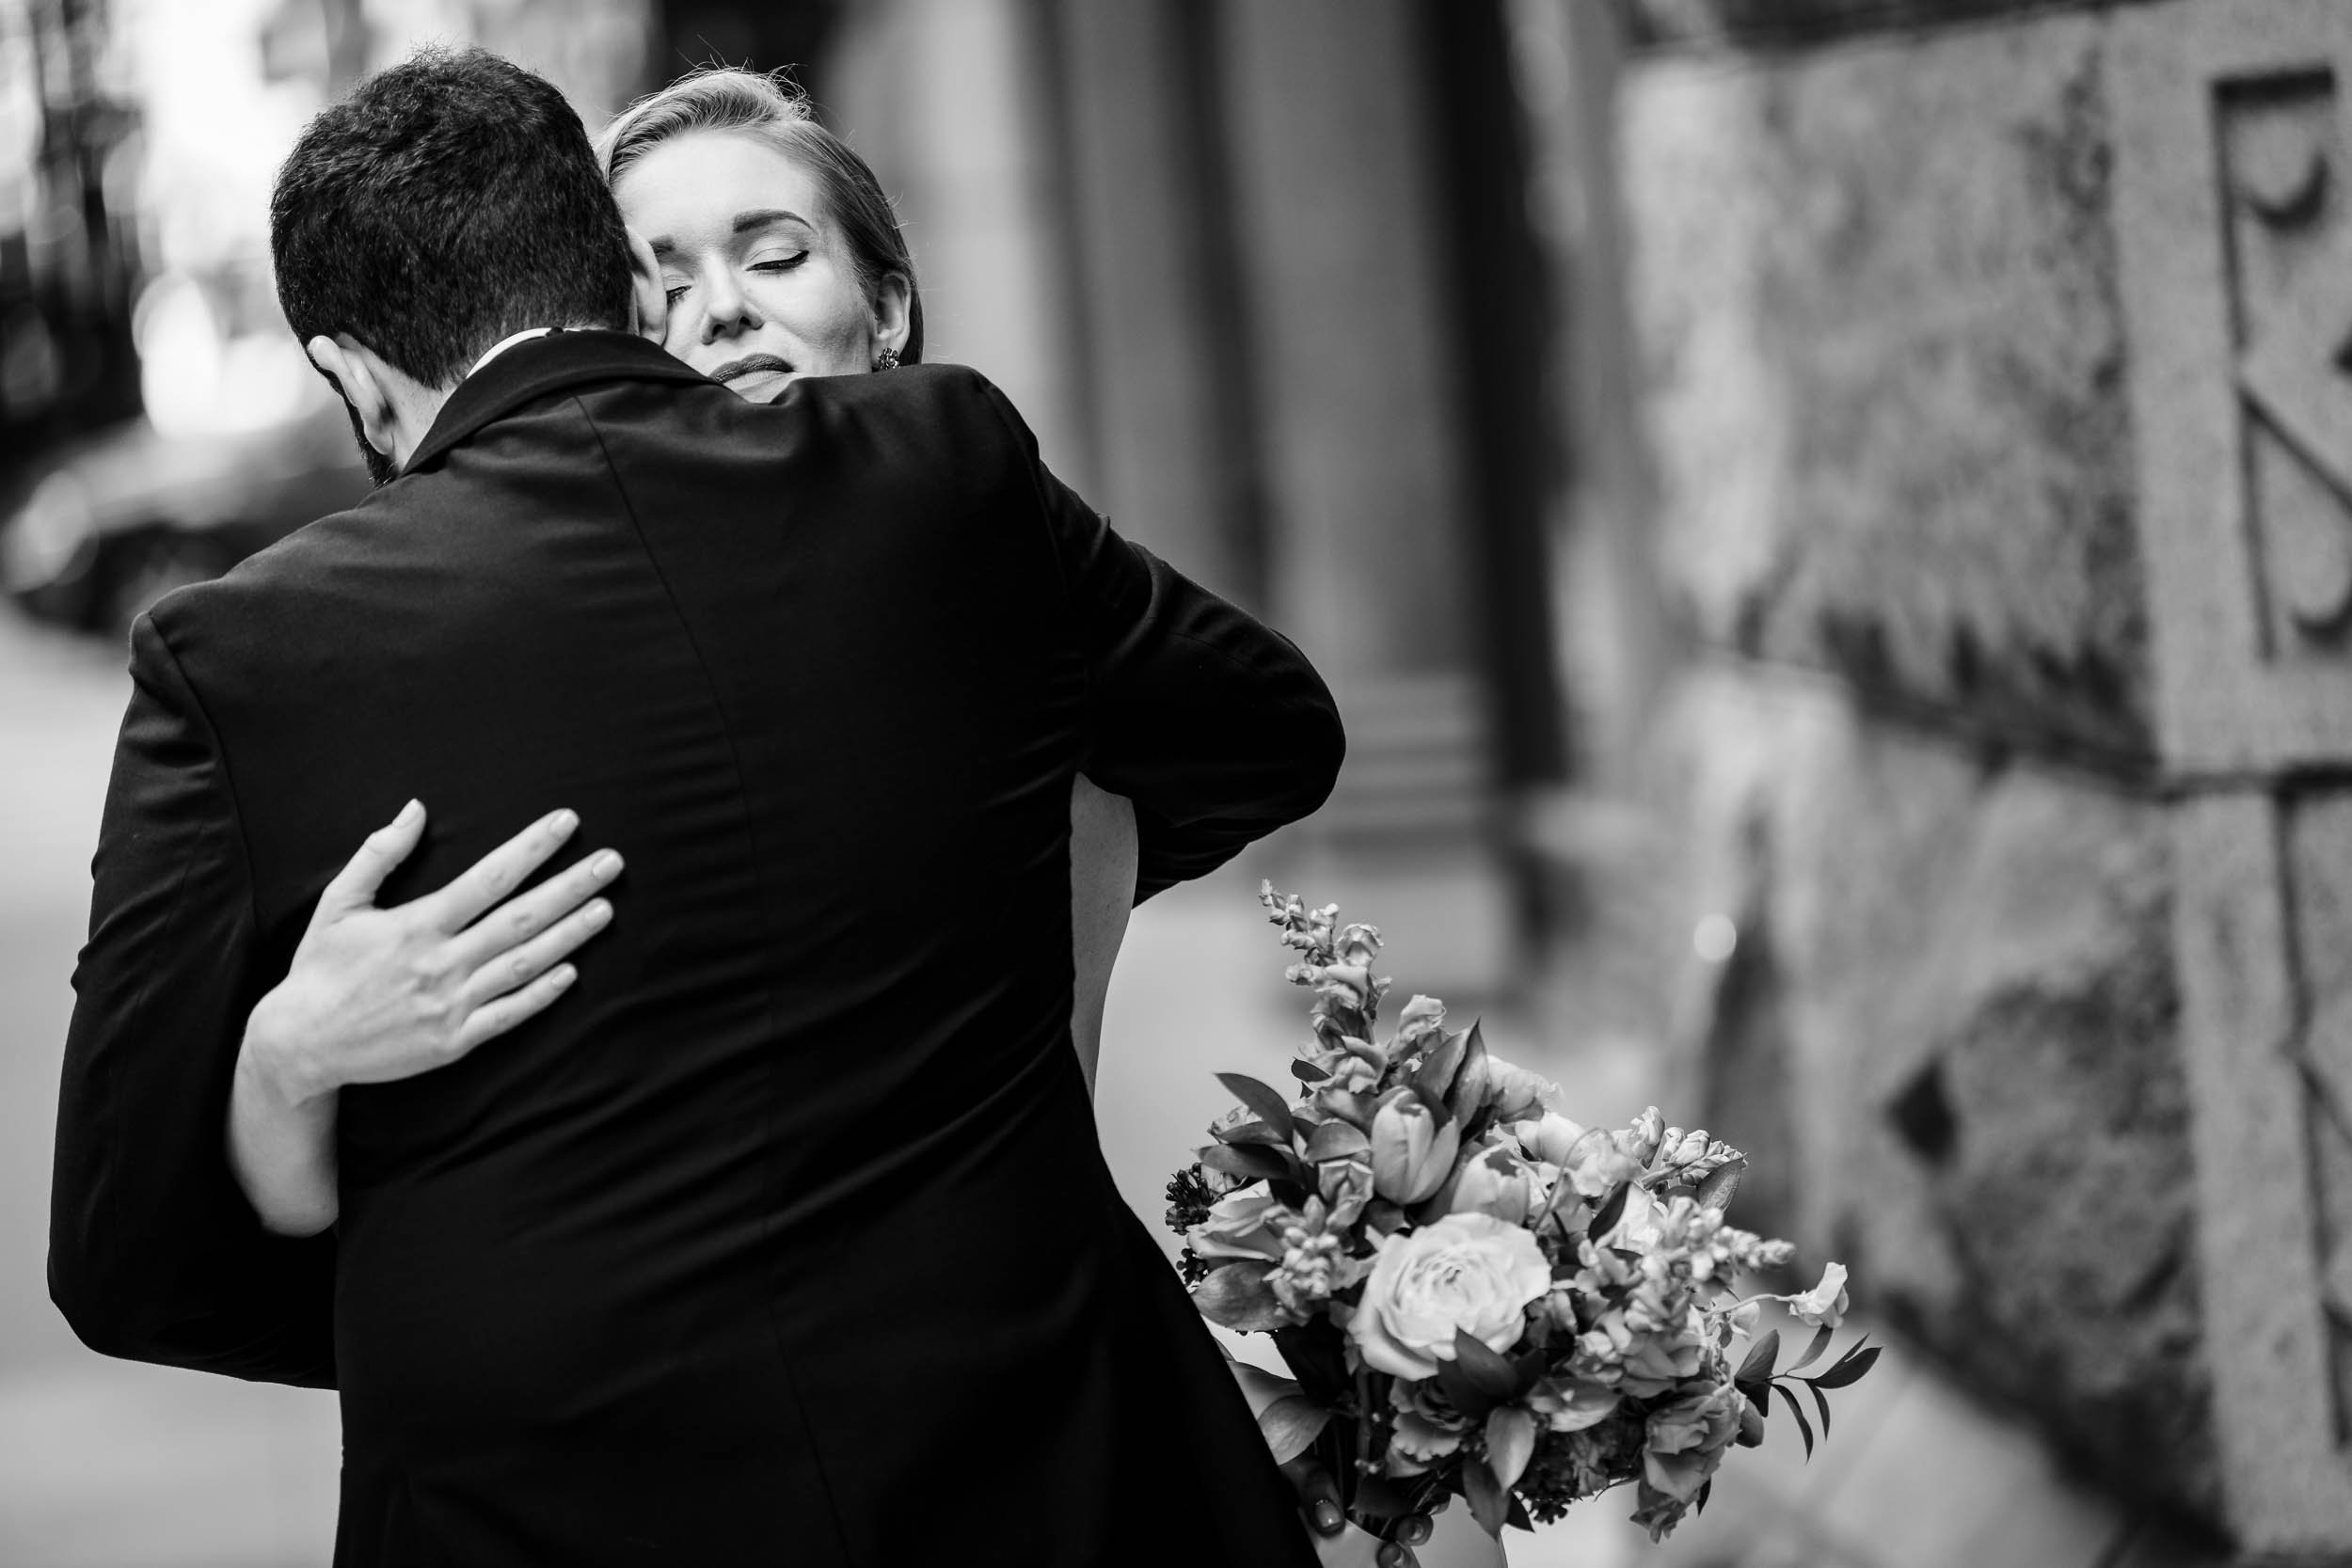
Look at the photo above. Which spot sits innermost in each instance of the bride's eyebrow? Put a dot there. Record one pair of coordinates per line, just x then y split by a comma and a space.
766, 217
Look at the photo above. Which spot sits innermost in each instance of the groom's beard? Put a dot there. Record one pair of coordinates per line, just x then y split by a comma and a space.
382, 469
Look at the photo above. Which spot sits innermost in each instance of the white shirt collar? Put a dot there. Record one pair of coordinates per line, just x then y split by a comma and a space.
504, 343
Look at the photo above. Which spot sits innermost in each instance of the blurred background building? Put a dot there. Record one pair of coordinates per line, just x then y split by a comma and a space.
1829, 523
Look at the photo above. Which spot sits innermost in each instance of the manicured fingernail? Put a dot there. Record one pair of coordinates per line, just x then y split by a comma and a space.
409, 813
564, 821
598, 912
607, 866
1327, 1516
563, 975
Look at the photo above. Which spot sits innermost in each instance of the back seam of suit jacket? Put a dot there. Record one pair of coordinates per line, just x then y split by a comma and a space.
742, 795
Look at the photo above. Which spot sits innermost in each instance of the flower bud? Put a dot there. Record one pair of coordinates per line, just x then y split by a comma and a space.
1412, 1151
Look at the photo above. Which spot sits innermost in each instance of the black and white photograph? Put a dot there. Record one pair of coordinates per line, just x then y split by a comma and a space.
1088, 783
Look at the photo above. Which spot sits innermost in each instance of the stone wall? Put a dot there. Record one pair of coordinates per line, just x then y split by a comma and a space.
2032, 836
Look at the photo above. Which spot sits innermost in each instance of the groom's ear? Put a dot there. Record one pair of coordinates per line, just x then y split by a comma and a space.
353, 371
649, 302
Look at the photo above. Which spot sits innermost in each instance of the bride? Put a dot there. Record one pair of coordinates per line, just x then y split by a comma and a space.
765, 251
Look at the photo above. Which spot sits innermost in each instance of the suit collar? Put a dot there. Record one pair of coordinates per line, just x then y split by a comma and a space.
533, 369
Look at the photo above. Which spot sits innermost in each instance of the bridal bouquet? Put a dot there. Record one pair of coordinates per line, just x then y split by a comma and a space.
1478, 1296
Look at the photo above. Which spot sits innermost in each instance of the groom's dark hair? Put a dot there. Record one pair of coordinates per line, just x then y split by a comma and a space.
448, 202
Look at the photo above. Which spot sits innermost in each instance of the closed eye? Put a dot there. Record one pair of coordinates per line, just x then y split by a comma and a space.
781, 263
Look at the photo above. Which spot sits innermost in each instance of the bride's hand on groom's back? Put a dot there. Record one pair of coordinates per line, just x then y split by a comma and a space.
379, 995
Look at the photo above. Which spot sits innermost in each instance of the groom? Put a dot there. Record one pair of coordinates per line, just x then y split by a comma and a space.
785, 1234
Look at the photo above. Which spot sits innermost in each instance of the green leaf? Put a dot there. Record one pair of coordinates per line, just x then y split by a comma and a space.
1267, 1103
1758, 1364
1489, 1500
1291, 1424
1488, 1370
1612, 1209
1798, 1411
1518, 1519
1821, 1403
1467, 1093
1510, 1442
1238, 1297
1379, 1497
1250, 1162
1462, 1392
1698, 1504
1307, 1072
1813, 1350
1849, 1369
1436, 1073
1248, 1132
1752, 1419
1716, 1190
1335, 1140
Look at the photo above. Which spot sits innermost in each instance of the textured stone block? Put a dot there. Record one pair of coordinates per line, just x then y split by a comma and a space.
1981, 1074
1787, 21
1875, 288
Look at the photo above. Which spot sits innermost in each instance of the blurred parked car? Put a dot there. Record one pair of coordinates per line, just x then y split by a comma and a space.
106, 526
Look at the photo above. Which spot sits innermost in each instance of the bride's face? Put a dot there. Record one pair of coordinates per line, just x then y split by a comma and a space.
760, 286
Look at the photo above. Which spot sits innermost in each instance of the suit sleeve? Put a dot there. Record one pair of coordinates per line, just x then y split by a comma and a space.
1212, 724
154, 1254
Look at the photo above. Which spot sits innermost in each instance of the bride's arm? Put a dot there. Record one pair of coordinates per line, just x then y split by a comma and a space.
1102, 891
379, 995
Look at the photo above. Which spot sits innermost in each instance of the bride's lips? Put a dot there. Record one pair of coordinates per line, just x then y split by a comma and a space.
749, 365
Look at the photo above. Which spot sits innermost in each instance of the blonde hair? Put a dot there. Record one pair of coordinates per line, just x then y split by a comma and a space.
726, 99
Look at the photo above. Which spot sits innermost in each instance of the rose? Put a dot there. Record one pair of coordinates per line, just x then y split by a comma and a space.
1412, 1151
1686, 1439
1470, 1272
1824, 1305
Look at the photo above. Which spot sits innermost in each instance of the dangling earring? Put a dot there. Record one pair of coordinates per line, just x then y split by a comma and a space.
887, 360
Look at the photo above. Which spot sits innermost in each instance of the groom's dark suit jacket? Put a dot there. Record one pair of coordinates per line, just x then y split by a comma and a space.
785, 1235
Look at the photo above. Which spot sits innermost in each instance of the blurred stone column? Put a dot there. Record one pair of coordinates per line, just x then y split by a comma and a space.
1174, 413
1370, 514
952, 102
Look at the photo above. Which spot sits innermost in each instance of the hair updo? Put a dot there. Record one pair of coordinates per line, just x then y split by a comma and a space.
726, 99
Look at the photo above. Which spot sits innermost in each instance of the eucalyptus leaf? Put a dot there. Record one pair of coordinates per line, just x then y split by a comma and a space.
1268, 1104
